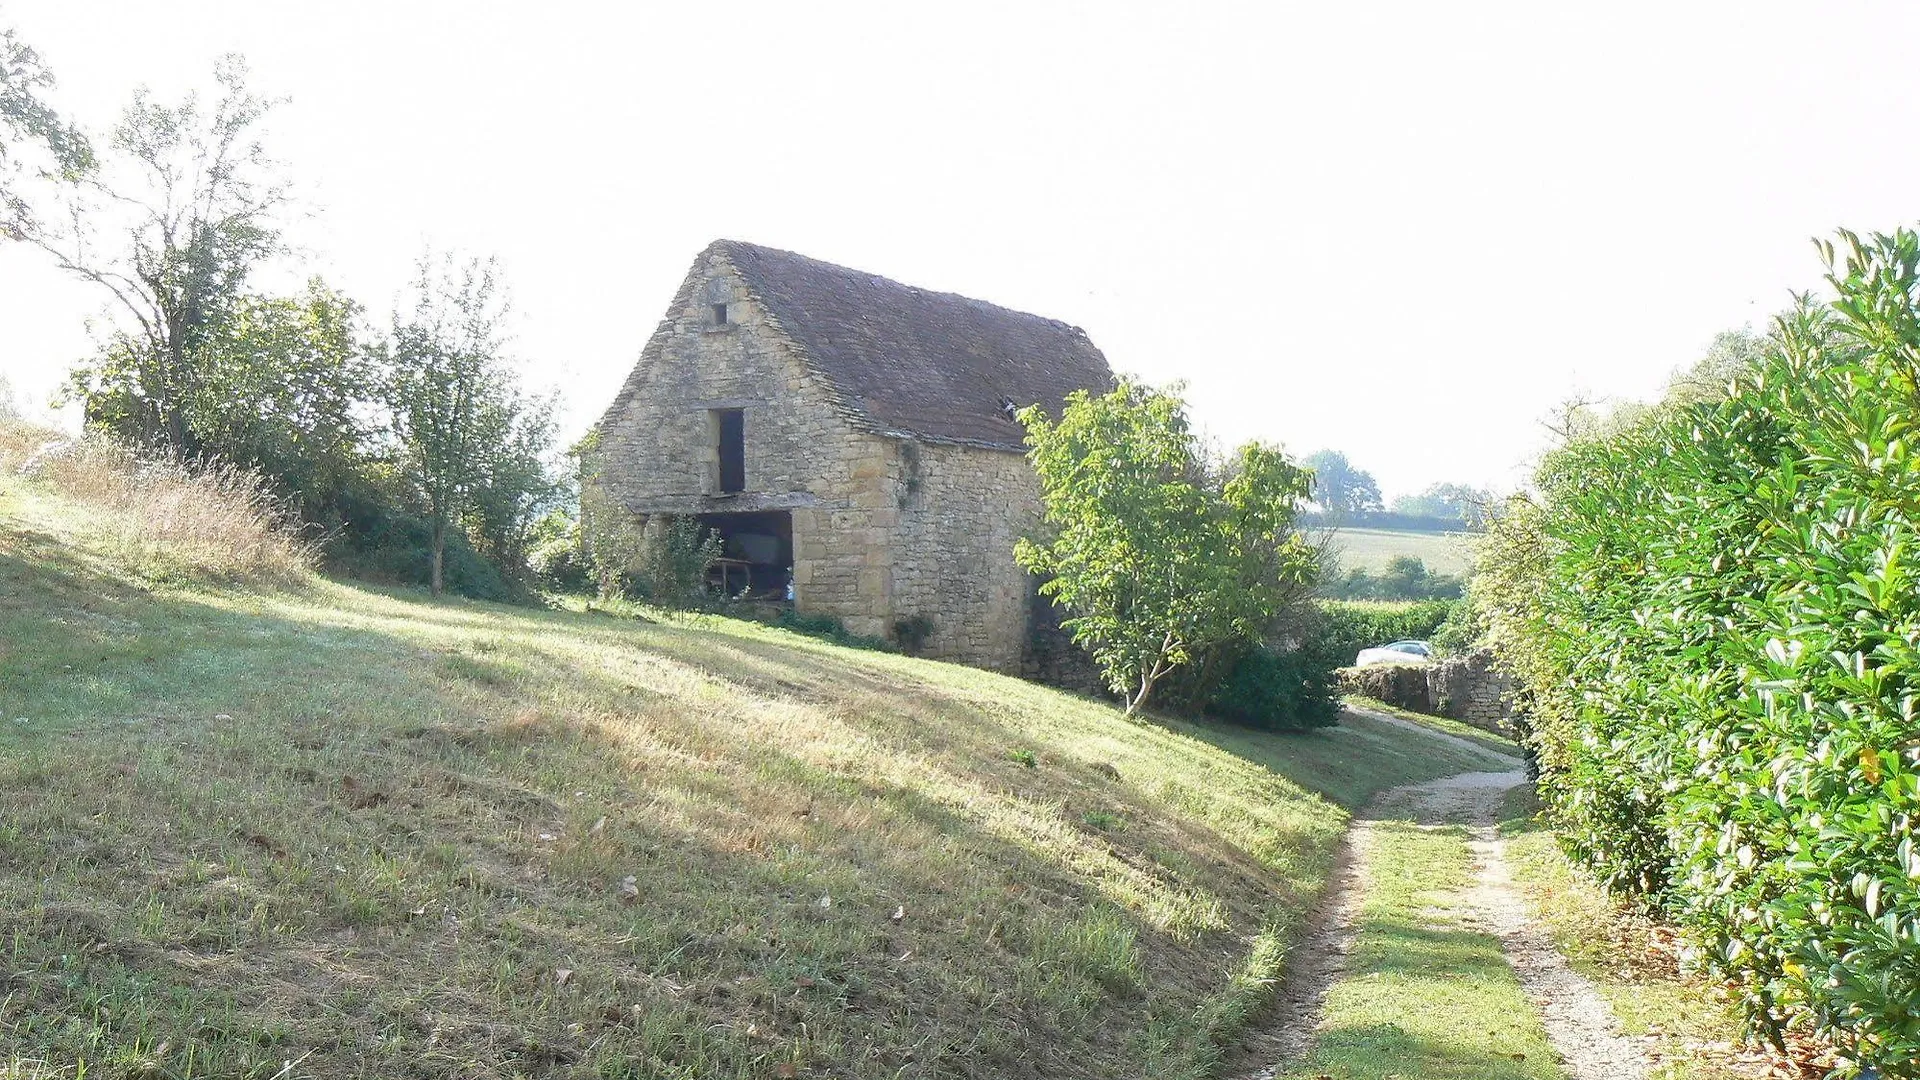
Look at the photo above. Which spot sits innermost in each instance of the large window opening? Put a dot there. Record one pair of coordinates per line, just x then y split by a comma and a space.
756, 554
730, 431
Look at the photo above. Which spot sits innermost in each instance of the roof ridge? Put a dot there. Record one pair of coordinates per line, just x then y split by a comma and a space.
902, 361
725, 243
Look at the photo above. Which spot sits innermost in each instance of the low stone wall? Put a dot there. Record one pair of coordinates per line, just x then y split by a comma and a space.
1467, 688
1400, 685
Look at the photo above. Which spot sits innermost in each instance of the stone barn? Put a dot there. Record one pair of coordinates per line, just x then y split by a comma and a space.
852, 440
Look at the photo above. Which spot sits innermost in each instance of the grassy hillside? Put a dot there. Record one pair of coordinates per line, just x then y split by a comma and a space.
374, 836
1373, 549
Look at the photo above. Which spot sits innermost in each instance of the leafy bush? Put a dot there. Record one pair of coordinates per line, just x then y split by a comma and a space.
1278, 691
556, 555
912, 633
673, 566
1459, 633
1716, 623
383, 544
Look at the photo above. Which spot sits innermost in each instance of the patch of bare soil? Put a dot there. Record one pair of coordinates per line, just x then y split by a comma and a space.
1578, 1021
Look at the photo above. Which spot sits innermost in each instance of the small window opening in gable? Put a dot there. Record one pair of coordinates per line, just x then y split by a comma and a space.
729, 427
718, 296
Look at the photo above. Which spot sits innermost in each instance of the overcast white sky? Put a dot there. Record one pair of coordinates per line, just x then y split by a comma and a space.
1400, 230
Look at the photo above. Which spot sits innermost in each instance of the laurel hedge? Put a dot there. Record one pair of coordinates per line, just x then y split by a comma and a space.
1714, 616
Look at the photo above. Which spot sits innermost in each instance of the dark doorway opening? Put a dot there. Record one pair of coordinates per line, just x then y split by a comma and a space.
756, 554
731, 428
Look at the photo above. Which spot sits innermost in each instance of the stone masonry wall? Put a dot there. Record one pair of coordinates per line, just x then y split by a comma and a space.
658, 450
884, 528
1467, 688
1470, 688
961, 509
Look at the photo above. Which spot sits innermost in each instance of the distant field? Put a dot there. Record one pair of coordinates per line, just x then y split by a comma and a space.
1446, 553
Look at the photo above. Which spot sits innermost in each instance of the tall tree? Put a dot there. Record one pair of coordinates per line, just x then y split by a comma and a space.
35, 143
1339, 488
284, 386
472, 444
170, 225
1157, 554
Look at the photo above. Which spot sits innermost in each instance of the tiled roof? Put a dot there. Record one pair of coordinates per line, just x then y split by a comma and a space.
907, 361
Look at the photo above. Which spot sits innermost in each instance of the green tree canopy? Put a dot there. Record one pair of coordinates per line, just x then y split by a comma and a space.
35, 143
1158, 554
181, 211
1339, 488
472, 444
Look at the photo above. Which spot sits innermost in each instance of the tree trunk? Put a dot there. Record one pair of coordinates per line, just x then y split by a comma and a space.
439, 556
1147, 679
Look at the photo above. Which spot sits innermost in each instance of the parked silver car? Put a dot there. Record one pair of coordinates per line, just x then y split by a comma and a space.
1400, 652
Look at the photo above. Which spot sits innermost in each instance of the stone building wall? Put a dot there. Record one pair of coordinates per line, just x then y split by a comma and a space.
884, 528
658, 452
961, 509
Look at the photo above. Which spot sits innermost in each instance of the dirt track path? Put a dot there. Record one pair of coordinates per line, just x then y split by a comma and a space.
1578, 1021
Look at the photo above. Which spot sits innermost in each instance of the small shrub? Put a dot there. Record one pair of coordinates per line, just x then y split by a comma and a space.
673, 566
383, 544
557, 556
1102, 821
828, 628
1459, 633
912, 633
1025, 757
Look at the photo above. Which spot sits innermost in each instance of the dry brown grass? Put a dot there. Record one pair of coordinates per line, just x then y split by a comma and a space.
167, 520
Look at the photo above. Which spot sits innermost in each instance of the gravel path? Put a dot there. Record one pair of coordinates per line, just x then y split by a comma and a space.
1578, 1022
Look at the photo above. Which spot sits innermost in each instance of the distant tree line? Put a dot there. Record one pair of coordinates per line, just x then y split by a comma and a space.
411, 447
1345, 495
1406, 577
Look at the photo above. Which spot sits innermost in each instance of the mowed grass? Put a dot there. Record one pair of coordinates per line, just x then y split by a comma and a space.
335, 831
1424, 995
1373, 549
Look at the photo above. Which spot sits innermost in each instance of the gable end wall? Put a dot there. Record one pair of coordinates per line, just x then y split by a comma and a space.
883, 528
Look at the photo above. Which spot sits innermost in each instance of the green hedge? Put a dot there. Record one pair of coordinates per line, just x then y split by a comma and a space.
1716, 618
1347, 626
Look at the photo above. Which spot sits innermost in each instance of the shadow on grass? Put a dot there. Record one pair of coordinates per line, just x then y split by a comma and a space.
248, 828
